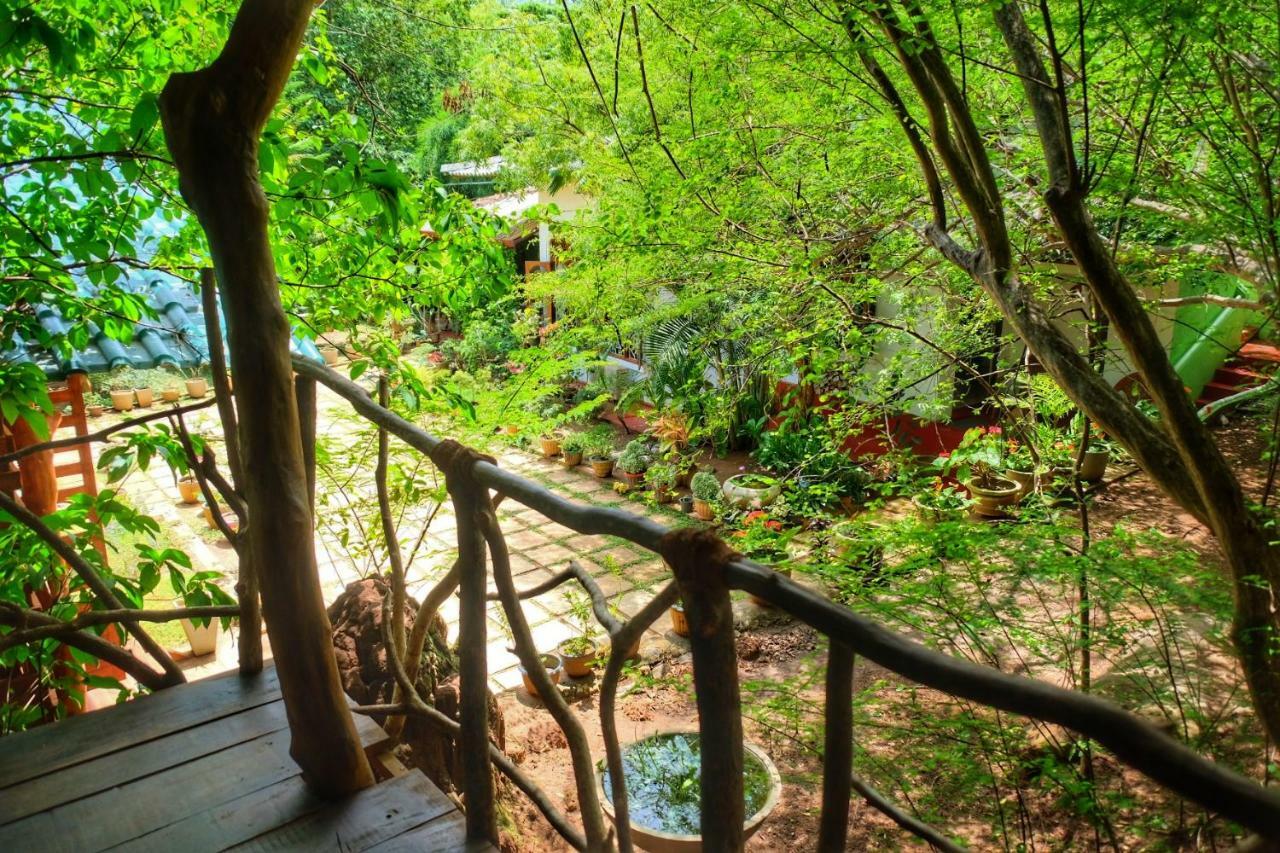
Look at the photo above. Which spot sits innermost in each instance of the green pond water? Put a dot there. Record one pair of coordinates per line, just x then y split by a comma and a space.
662, 774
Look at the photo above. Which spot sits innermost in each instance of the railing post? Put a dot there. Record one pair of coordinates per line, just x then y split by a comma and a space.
837, 753
698, 558
469, 498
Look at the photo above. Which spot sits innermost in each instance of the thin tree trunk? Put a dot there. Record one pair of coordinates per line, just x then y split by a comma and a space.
212, 122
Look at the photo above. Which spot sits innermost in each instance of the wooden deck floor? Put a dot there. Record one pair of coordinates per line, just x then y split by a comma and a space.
202, 767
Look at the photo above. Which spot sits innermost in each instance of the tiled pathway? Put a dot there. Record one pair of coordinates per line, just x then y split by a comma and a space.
539, 547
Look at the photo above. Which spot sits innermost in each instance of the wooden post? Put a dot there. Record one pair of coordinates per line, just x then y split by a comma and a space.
469, 498
213, 119
698, 559
837, 753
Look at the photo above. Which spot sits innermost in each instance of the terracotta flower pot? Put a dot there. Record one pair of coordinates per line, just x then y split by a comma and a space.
330, 356
704, 510
633, 479
95, 410
663, 495
679, 622
579, 665
145, 396
189, 489
571, 458
122, 401
197, 387
602, 468
170, 395
550, 447
992, 496
554, 667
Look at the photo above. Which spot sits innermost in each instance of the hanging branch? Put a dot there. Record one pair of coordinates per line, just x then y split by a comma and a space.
89, 643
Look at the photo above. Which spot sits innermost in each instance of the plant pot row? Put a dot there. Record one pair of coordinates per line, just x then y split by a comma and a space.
124, 399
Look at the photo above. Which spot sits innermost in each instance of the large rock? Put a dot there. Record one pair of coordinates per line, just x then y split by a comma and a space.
356, 617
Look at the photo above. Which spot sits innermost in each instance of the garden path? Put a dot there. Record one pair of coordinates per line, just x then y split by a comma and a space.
626, 573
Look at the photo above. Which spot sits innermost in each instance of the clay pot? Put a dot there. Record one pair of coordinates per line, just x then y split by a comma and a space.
581, 665
145, 396
189, 489
197, 387
330, 356
679, 622
1094, 465
571, 458
602, 468
550, 447
122, 401
1026, 481
704, 510
170, 395
554, 667
634, 480
663, 495
992, 496
739, 494
933, 515
95, 410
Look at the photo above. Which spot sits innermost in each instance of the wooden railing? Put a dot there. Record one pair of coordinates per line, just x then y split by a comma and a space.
705, 571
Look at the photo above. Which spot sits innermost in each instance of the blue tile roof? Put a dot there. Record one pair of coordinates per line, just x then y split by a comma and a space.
174, 338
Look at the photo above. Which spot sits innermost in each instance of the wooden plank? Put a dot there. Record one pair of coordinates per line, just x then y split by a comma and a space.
118, 815
232, 823
48, 748
362, 821
445, 834
120, 768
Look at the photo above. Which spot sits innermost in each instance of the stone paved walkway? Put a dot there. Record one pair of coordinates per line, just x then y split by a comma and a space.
539, 547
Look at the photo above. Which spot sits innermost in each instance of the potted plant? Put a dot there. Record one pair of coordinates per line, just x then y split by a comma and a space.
975, 462
96, 403
145, 397
632, 462
661, 478
943, 502
1019, 466
197, 387
571, 447
203, 638
746, 491
554, 667
550, 445
599, 451
122, 399
858, 544
170, 394
580, 651
663, 780
764, 540
706, 489
1093, 467
189, 489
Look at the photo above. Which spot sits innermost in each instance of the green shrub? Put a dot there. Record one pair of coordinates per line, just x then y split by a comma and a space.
705, 486
633, 459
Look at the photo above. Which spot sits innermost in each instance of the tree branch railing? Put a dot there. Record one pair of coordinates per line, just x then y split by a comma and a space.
706, 571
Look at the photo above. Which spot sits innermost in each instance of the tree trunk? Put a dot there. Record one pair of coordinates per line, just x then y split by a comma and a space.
212, 122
